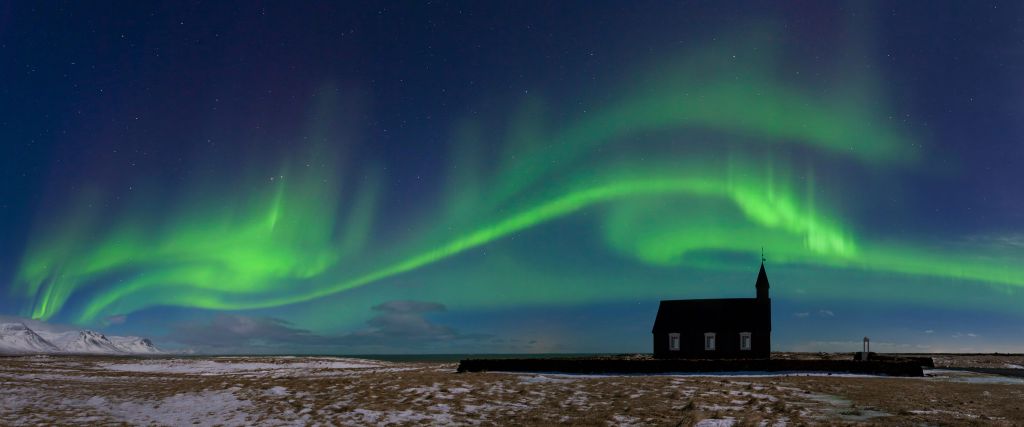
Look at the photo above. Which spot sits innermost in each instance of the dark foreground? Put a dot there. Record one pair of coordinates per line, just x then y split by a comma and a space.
588, 365
334, 391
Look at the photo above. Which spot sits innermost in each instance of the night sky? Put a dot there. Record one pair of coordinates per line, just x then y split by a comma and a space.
512, 177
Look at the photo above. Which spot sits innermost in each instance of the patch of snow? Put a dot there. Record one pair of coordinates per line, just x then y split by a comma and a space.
988, 379
782, 422
721, 408
540, 379
716, 422
949, 414
761, 396
228, 366
1012, 366
433, 388
369, 416
205, 409
578, 399
623, 420
838, 407
277, 391
14, 399
969, 377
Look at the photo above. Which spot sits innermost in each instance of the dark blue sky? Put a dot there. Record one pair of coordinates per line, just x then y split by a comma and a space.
421, 153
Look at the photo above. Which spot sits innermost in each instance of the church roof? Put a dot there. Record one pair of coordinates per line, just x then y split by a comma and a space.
723, 314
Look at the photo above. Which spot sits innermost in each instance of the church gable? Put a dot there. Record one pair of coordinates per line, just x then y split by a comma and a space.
715, 328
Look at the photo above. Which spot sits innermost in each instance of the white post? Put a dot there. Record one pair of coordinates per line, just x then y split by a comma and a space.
867, 349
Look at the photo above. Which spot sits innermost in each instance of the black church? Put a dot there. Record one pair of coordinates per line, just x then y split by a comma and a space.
728, 328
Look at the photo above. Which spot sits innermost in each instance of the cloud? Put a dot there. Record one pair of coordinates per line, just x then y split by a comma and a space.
821, 313
397, 326
116, 319
409, 307
403, 323
929, 331
961, 335
1012, 240
228, 332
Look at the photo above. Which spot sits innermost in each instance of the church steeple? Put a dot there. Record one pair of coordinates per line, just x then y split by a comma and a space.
762, 280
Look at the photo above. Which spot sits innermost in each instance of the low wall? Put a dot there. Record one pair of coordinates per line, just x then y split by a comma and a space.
924, 361
655, 366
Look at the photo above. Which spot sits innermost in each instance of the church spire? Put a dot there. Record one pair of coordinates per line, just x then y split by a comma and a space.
762, 280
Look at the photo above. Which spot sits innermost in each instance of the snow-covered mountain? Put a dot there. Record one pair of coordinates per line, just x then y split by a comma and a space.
19, 339
91, 342
135, 345
59, 339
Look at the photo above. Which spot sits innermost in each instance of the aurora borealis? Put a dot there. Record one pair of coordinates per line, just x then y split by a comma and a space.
512, 182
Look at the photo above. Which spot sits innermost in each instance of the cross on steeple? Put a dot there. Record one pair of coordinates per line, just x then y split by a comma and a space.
762, 280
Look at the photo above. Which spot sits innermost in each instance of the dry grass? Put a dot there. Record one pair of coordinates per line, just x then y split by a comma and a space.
58, 390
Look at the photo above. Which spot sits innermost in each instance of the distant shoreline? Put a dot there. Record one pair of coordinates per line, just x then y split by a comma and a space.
456, 357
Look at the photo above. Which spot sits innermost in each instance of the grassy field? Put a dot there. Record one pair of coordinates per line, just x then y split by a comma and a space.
331, 391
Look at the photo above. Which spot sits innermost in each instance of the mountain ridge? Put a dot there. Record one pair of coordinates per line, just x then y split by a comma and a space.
17, 338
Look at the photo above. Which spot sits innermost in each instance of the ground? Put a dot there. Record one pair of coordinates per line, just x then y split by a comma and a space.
337, 391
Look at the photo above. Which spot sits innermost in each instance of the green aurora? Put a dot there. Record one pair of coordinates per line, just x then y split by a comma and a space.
307, 230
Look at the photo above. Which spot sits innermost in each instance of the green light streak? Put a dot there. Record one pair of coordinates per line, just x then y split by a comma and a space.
761, 209
295, 236
795, 235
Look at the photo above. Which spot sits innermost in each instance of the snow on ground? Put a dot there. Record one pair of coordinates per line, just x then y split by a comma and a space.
400, 417
970, 377
624, 420
716, 422
534, 379
295, 391
277, 391
221, 366
204, 409
35, 406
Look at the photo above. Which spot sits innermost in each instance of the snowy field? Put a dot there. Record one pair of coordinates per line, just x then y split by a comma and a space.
65, 390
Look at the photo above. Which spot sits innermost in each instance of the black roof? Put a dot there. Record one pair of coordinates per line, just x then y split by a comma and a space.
711, 314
